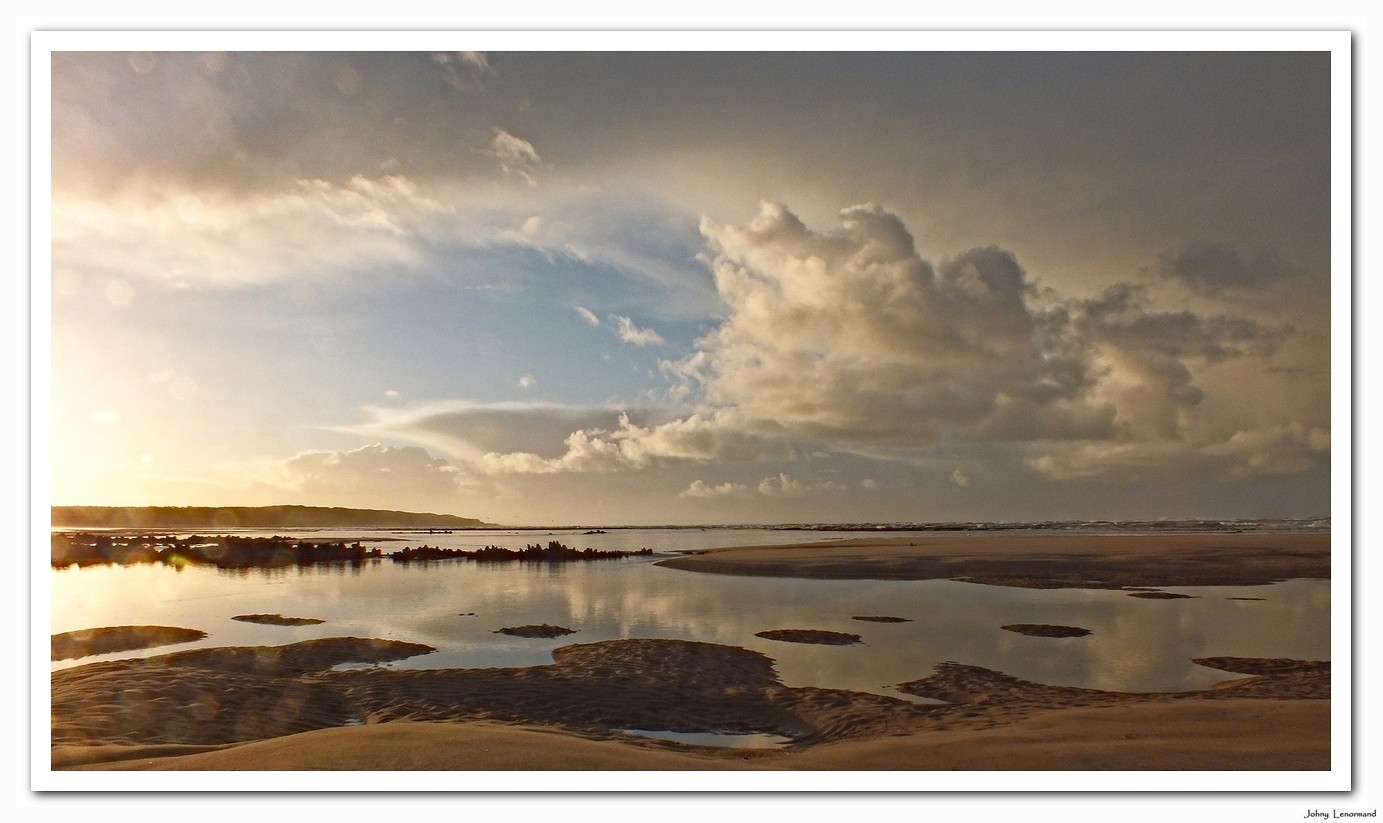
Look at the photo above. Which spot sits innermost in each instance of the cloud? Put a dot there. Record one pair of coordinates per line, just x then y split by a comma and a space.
780, 486
478, 59
785, 485
463, 70
588, 315
1213, 268
184, 237
630, 333
1275, 450
467, 431
527, 381
699, 490
960, 478
697, 438
373, 476
851, 341
516, 155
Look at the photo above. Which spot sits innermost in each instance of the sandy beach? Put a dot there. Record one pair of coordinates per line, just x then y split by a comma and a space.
286, 708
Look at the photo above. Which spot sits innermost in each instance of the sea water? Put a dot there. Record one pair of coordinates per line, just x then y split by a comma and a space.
457, 606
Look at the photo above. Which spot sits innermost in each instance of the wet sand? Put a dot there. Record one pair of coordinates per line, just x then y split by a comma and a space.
110, 639
285, 707
1085, 561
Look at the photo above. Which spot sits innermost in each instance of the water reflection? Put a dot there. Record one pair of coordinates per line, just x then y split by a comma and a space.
456, 606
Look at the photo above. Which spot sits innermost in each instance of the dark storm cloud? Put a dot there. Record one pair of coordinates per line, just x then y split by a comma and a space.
1214, 268
250, 119
1122, 316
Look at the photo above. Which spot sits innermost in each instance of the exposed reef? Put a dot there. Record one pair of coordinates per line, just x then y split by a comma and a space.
553, 552
243, 552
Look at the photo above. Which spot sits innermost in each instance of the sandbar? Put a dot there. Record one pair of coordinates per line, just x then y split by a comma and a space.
1045, 630
818, 636
277, 620
108, 639
536, 630
1088, 561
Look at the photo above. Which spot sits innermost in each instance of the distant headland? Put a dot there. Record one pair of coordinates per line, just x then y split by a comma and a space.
251, 517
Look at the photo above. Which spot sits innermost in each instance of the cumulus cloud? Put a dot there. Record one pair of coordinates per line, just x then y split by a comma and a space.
632, 334
782, 485
697, 438
527, 381
588, 315
700, 490
516, 155
849, 341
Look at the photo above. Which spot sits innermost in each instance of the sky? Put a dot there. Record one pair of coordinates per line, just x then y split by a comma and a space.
617, 288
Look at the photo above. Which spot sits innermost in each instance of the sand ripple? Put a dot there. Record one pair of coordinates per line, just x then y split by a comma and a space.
208, 697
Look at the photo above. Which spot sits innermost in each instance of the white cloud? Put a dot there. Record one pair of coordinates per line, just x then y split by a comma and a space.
528, 381
960, 478
374, 476
782, 485
516, 155
182, 237
697, 438
698, 489
785, 485
463, 70
632, 334
477, 59
849, 341
588, 315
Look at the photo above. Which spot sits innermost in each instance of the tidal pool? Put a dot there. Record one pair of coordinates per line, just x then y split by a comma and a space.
457, 606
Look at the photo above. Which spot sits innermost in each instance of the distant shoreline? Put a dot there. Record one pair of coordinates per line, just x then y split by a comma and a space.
250, 517
205, 518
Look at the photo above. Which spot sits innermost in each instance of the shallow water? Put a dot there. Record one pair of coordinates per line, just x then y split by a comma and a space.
457, 606
729, 741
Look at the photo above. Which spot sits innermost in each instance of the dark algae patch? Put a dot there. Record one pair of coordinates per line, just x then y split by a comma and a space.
818, 636
881, 619
1043, 630
1161, 595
